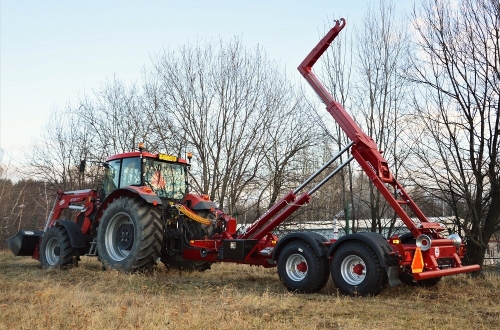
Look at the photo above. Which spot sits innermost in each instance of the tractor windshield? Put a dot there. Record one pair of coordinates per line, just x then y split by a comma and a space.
166, 179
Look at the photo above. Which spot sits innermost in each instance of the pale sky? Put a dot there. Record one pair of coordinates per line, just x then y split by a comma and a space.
52, 52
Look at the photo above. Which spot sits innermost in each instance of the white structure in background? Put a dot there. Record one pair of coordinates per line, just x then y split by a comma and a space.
492, 255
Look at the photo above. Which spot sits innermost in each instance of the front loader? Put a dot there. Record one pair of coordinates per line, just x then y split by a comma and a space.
144, 213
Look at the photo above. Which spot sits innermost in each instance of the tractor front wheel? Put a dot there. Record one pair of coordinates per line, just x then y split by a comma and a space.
56, 250
130, 235
300, 269
356, 270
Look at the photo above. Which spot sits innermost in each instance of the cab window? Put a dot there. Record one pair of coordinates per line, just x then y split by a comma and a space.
131, 172
166, 179
111, 176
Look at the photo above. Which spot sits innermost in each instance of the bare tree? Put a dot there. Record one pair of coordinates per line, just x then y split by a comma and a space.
22, 206
118, 118
378, 96
57, 153
338, 73
5, 198
293, 131
241, 116
458, 69
237, 111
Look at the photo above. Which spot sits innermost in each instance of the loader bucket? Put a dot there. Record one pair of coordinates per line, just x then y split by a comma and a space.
24, 242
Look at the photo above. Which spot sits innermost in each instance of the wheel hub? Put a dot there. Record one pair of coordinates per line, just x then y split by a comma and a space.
53, 251
125, 237
296, 267
353, 270
358, 269
302, 267
119, 236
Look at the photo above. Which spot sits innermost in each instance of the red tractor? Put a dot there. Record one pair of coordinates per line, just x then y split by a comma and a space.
137, 217
144, 213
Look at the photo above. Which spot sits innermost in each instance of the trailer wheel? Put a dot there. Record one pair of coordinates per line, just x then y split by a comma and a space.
300, 269
356, 270
406, 276
56, 250
129, 235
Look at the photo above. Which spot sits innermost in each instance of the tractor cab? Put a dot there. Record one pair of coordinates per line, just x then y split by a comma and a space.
166, 177
165, 174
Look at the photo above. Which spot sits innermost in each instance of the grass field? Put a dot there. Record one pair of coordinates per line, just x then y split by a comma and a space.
228, 296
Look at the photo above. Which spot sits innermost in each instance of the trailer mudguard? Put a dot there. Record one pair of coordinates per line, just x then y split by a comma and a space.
314, 239
382, 248
76, 237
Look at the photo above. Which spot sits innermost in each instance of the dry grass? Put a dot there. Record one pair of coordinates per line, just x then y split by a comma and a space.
227, 297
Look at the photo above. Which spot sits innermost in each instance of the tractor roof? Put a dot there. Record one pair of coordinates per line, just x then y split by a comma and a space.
161, 157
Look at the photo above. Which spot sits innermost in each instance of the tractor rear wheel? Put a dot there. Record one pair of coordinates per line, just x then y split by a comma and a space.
130, 235
300, 269
56, 250
356, 270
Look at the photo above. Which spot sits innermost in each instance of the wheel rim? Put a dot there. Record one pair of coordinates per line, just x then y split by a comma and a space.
353, 270
296, 267
113, 237
52, 251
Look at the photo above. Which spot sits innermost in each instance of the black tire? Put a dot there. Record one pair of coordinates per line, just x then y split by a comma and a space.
406, 276
56, 251
356, 270
130, 235
300, 269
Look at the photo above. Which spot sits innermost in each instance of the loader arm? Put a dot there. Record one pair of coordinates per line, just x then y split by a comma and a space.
78, 200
